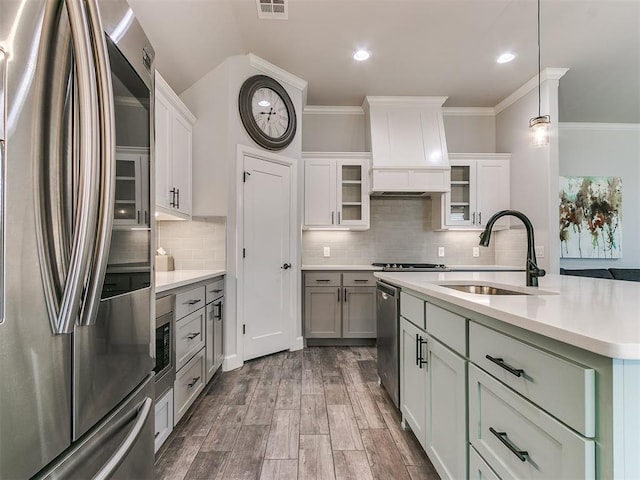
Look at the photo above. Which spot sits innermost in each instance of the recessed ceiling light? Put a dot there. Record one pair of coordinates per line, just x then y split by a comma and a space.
361, 55
506, 57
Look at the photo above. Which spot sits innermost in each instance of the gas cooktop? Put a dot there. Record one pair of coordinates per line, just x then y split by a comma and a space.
411, 267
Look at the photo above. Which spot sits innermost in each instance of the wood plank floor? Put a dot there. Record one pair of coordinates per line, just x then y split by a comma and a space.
317, 413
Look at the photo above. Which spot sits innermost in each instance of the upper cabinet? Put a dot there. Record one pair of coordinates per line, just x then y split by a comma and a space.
479, 188
174, 125
408, 144
131, 207
336, 192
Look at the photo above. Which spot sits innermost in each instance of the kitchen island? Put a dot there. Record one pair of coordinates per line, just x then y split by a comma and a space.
550, 376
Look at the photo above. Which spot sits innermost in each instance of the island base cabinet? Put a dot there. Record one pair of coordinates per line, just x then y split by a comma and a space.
413, 380
446, 411
478, 468
519, 440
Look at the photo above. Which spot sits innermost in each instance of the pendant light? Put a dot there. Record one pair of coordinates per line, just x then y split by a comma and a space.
539, 126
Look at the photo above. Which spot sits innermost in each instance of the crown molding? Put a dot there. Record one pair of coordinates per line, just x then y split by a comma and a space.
603, 127
276, 72
468, 111
332, 110
546, 74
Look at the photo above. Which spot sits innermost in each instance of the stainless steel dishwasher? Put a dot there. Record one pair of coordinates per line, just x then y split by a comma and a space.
387, 302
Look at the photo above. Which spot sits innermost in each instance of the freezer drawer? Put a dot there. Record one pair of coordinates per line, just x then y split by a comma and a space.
118, 448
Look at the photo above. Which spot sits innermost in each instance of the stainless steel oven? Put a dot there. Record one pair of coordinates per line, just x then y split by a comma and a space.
165, 345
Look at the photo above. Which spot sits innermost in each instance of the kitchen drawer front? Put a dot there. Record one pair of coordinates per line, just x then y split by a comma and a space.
322, 279
478, 468
412, 309
189, 301
163, 418
214, 289
190, 333
449, 328
363, 279
553, 451
543, 376
189, 383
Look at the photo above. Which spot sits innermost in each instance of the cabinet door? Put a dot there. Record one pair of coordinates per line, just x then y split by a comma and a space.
163, 118
352, 194
128, 205
493, 190
461, 200
320, 193
163, 418
446, 411
210, 342
218, 352
181, 163
413, 379
359, 312
322, 312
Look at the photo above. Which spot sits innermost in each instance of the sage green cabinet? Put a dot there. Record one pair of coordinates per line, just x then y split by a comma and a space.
413, 380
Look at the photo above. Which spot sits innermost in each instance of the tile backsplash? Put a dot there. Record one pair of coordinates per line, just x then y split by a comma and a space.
197, 244
401, 230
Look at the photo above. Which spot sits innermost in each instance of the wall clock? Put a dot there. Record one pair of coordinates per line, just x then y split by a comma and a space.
267, 112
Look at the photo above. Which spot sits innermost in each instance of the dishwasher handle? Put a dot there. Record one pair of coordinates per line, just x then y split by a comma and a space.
390, 290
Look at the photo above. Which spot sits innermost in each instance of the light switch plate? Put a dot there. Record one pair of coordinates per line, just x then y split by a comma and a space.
476, 251
327, 251
441, 251
539, 251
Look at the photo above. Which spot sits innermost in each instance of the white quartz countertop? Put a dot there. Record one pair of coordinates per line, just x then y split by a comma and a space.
598, 315
486, 268
340, 267
179, 278
454, 268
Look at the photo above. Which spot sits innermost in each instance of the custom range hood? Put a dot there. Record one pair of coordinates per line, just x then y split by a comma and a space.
408, 147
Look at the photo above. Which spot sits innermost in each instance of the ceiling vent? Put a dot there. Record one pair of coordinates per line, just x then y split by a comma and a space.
273, 9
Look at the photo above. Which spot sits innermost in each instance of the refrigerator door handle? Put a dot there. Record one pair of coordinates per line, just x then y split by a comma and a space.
64, 313
125, 447
107, 165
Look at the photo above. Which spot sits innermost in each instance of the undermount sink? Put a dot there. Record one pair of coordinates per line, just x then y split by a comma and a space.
483, 289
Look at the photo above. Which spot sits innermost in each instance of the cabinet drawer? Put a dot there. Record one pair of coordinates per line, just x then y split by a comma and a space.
502, 423
189, 383
363, 279
478, 468
189, 301
189, 336
449, 328
214, 290
412, 309
541, 375
164, 418
322, 279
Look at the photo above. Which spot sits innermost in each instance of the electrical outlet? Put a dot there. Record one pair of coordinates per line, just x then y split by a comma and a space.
441, 251
476, 251
539, 251
327, 251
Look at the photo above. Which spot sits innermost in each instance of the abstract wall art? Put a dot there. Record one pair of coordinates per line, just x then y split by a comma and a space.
590, 217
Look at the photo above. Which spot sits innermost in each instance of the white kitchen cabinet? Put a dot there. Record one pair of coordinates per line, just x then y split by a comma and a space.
163, 418
190, 381
479, 188
336, 190
413, 380
173, 134
131, 208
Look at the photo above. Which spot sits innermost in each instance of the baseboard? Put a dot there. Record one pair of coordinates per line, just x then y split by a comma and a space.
341, 342
231, 363
298, 344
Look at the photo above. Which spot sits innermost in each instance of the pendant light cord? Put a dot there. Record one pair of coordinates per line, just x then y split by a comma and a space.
539, 76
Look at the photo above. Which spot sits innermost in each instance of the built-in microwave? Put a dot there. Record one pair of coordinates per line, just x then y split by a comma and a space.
165, 345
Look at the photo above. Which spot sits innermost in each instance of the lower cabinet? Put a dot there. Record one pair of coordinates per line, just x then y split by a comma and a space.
214, 355
413, 380
163, 418
190, 381
478, 468
339, 305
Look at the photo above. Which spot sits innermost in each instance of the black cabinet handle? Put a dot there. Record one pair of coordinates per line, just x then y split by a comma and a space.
422, 360
502, 436
178, 195
195, 380
191, 336
286, 266
193, 302
156, 435
417, 349
322, 280
498, 361
217, 315
339, 290
360, 280
345, 295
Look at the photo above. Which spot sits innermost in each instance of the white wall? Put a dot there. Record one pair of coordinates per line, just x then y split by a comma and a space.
333, 129
470, 132
593, 149
217, 133
534, 171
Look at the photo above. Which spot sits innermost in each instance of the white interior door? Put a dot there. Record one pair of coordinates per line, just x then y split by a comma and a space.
267, 275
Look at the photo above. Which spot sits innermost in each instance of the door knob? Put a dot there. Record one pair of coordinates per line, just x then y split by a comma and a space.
286, 266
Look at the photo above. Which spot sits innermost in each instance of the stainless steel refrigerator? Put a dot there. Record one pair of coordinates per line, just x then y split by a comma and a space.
76, 353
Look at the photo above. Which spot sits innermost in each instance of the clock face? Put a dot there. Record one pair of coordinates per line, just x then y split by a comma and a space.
270, 112
267, 112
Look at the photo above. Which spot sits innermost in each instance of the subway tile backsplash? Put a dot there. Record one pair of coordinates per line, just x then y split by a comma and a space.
401, 230
197, 244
